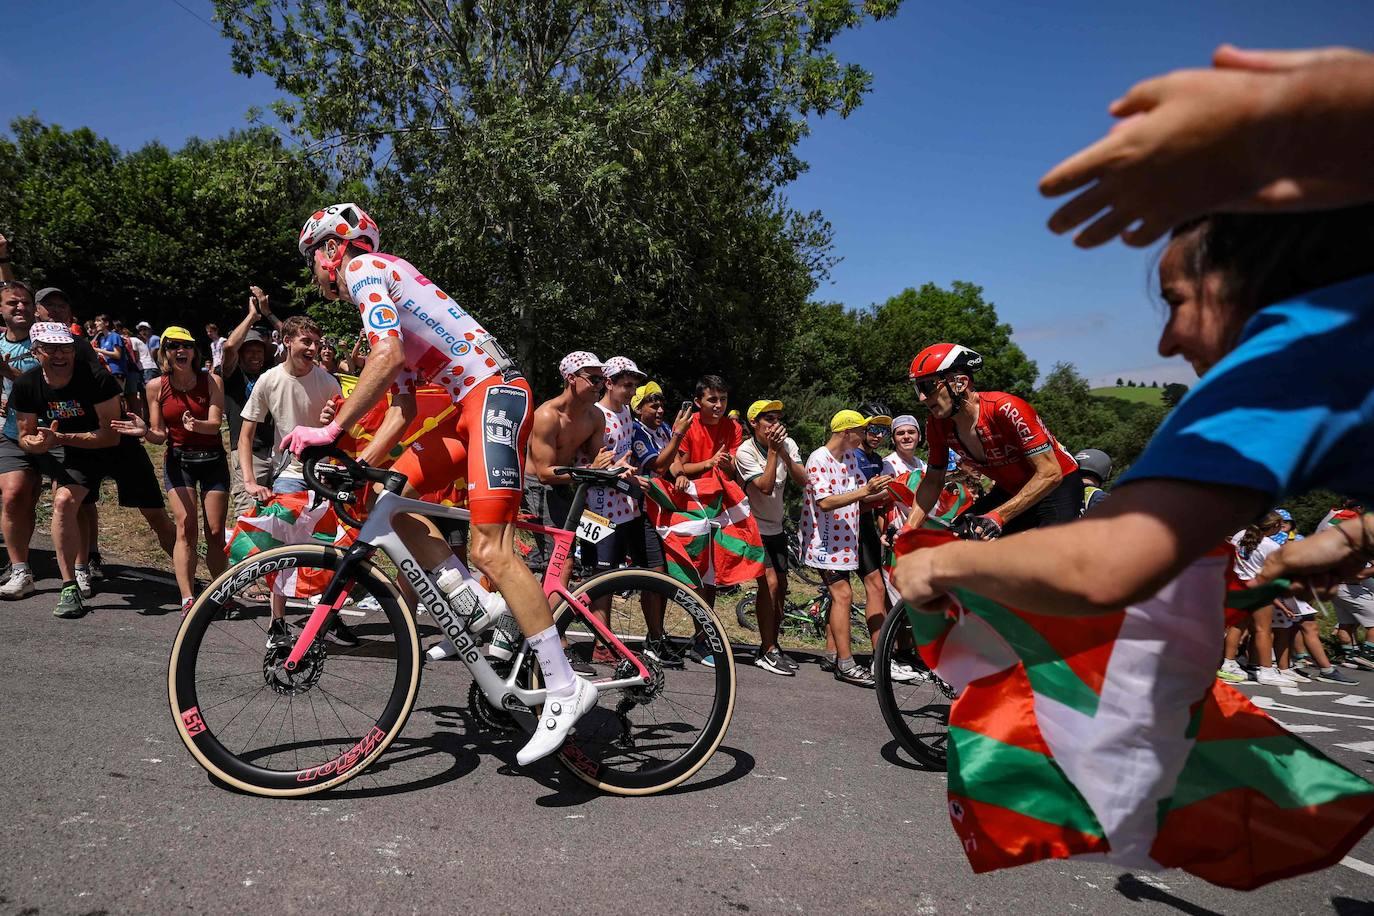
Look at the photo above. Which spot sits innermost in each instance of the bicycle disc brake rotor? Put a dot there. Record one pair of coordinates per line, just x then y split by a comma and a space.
645, 693
292, 683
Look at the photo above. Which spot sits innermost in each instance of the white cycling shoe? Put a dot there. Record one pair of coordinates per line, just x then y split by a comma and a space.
559, 716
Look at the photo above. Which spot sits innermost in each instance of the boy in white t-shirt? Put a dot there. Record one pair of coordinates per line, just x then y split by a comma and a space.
765, 461
830, 528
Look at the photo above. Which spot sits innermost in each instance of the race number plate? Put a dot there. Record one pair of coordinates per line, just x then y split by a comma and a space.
594, 528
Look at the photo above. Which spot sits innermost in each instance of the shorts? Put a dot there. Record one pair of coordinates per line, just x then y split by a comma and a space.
1352, 611
775, 552
208, 476
131, 469
484, 444
149, 375
283, 485
635, 539
1062, 504
14, 458
831, 576
870, 544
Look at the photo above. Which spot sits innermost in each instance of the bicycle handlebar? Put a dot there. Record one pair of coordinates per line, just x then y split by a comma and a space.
350, 474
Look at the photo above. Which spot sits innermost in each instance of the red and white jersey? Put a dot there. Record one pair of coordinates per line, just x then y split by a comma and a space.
1009, 431
444, 345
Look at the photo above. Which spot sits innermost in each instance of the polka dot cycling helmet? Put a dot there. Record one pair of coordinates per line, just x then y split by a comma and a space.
340, 221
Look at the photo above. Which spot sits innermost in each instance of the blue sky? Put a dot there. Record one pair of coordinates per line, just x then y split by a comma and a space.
932, 179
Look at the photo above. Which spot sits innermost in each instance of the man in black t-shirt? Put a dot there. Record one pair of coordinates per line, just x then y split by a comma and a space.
64, 411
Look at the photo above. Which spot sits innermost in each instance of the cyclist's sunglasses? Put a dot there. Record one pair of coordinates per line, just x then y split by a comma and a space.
926, 386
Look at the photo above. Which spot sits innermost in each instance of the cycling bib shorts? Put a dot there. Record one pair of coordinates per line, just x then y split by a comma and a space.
484, 442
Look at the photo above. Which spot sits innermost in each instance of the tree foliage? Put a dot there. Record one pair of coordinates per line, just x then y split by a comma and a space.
1081, 420
171, 237
578, 170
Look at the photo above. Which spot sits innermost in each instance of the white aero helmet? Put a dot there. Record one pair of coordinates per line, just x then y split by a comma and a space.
340, 221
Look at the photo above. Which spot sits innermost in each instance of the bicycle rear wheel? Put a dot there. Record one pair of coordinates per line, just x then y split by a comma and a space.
916, 712
259, 729
648, 739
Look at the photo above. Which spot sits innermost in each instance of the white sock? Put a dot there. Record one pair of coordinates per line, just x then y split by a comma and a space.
558, 674
20, 567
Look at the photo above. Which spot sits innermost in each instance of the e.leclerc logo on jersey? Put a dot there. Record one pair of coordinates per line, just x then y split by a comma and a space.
382, 316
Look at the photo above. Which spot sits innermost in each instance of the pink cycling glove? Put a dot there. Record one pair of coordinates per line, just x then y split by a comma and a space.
302, 437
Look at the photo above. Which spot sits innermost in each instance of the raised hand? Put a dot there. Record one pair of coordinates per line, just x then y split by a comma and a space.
604, 459
132, 426
684, 420
43, 439
260, 298
188, 422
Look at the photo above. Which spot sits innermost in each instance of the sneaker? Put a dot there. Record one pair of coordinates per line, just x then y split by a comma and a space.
827, 662
902, 673
789, 661
1350, 658
96, 570
442, 650
69, 603
1334, 676
556, 720
1231, 672
701, 655
341, 634
278, 633
1272, 677
859, 676
604, 655
663, 652
772, 660
19, 584
83, 582
1296, 674
1302, 660
368, 605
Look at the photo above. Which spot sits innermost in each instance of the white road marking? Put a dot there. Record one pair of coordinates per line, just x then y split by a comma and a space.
353, 613
1352, 699
1309, 729
1271, 704
1360, 747
1363, 868
1299, 692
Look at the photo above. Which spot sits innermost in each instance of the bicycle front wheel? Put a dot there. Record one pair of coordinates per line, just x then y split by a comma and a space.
916, 712
263, 730
648, 739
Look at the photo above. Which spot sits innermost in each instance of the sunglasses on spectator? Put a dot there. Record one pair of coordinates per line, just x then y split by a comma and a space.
177, 345
597, 379
879, 430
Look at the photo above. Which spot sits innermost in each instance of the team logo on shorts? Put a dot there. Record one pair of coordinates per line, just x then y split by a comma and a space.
503, 414
382, 317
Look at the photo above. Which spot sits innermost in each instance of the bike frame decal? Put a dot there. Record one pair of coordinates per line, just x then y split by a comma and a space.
504, 411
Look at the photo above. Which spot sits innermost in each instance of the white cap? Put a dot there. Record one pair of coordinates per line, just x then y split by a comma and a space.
576, 361
50, 332
619, 365
141, 325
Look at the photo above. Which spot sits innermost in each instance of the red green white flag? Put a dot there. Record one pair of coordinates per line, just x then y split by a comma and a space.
289, 518
1110, 735
709, 537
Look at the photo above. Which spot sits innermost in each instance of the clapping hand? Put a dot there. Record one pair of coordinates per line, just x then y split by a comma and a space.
260, 299
188, 422
43, 439
132, 426
777, 437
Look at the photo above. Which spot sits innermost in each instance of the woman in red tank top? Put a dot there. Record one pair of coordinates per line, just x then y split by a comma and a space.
185, 407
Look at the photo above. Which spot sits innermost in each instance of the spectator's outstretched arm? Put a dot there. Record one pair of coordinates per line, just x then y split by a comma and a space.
1262, 130
157, 424
230, 359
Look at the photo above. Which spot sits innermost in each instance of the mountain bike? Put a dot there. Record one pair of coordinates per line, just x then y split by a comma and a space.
796, 562
303, 717
807, 619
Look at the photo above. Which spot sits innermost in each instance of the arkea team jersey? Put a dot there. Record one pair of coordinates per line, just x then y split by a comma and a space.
444, 345
1010, 433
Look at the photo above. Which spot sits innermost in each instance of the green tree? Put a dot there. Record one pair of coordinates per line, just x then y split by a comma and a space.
1081, 420
171, 237
1119, 383
586, 171
916, 318
1173, 393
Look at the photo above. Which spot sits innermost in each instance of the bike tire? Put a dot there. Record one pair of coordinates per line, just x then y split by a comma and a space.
594, 751
209, 641
916, 713
746, 611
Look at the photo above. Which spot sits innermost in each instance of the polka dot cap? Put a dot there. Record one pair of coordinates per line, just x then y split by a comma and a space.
576, 361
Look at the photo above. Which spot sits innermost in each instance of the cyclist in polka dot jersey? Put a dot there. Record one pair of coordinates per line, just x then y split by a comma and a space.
419, 335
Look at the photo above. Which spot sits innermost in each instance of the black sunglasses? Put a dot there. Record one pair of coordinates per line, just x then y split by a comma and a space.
926, 386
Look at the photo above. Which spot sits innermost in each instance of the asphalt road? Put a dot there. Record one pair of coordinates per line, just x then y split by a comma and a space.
807, 807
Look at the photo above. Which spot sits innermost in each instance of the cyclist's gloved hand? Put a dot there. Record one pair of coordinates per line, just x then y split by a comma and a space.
983, 527
302, 437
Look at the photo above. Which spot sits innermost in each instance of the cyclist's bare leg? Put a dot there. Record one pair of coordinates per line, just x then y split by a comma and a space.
841, 600
493, 552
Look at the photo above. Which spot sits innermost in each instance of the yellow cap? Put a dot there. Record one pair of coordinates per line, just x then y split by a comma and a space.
880, 420
847, 419
759, 407
177, 332
648, 389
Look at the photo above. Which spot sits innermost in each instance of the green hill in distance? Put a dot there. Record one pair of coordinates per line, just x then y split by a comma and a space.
1136, 395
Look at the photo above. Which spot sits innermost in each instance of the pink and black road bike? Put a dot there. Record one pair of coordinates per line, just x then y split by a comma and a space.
303, 713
